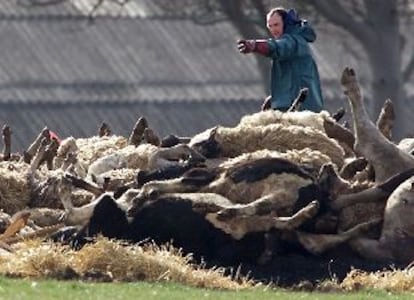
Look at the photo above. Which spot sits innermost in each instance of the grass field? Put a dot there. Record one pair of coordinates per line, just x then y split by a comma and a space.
52, 289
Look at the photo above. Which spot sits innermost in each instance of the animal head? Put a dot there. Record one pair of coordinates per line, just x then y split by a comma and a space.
206, 143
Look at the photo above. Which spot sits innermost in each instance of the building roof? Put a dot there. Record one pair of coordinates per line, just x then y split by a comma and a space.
67, 59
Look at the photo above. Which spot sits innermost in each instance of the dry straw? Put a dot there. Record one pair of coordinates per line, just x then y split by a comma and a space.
393, 280
14, 186
117, 261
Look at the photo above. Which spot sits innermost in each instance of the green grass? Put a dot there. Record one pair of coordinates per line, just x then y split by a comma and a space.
61, 290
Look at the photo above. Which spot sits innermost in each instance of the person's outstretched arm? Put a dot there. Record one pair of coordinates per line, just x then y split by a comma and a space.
250, 46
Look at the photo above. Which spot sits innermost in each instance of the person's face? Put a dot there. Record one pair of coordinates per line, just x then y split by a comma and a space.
275, 25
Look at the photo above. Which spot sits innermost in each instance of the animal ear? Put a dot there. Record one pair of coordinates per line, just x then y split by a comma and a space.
213, 132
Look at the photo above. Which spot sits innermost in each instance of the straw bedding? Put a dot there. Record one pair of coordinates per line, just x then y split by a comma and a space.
113, 260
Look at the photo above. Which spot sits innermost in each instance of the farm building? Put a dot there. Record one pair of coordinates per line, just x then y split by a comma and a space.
58, 69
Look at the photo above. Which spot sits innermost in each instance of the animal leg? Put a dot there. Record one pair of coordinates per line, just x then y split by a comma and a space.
172, 140
237, 224
259, 207
66, 148
40, 154
370, 142
319, 243
371, 249
297, 103
339, 133
374, 194
185, 184
83, 184
74, 215
31, 150
104, 130
267, 206
192, 181
165, 157
7, 142
50, 153
349, 170
271, 246
385, 121
339, 114
150, 137
293, 222
135, 137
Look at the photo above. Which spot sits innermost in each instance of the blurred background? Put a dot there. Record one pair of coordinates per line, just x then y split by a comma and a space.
72, 64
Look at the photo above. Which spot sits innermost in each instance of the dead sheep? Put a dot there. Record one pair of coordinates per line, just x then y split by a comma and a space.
32, 184
17, 180
321, 121
302, 118
130, 157
310, 159
87, 150
231, 142
143, 157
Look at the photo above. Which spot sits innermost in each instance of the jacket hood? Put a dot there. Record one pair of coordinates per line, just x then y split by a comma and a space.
303, 29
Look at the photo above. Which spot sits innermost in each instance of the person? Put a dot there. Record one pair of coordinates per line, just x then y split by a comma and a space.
293, 66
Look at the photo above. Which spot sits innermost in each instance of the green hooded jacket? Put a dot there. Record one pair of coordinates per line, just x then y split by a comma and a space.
294, 68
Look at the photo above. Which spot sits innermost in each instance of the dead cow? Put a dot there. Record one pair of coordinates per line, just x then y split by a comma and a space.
189, 219
272, 187
384, 156
179, 219
235, 208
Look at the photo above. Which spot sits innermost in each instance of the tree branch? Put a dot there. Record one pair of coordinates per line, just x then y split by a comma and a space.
335, 13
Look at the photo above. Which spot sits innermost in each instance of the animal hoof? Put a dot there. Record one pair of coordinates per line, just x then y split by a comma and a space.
313, 207
226, 214
348, 76
339, 114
